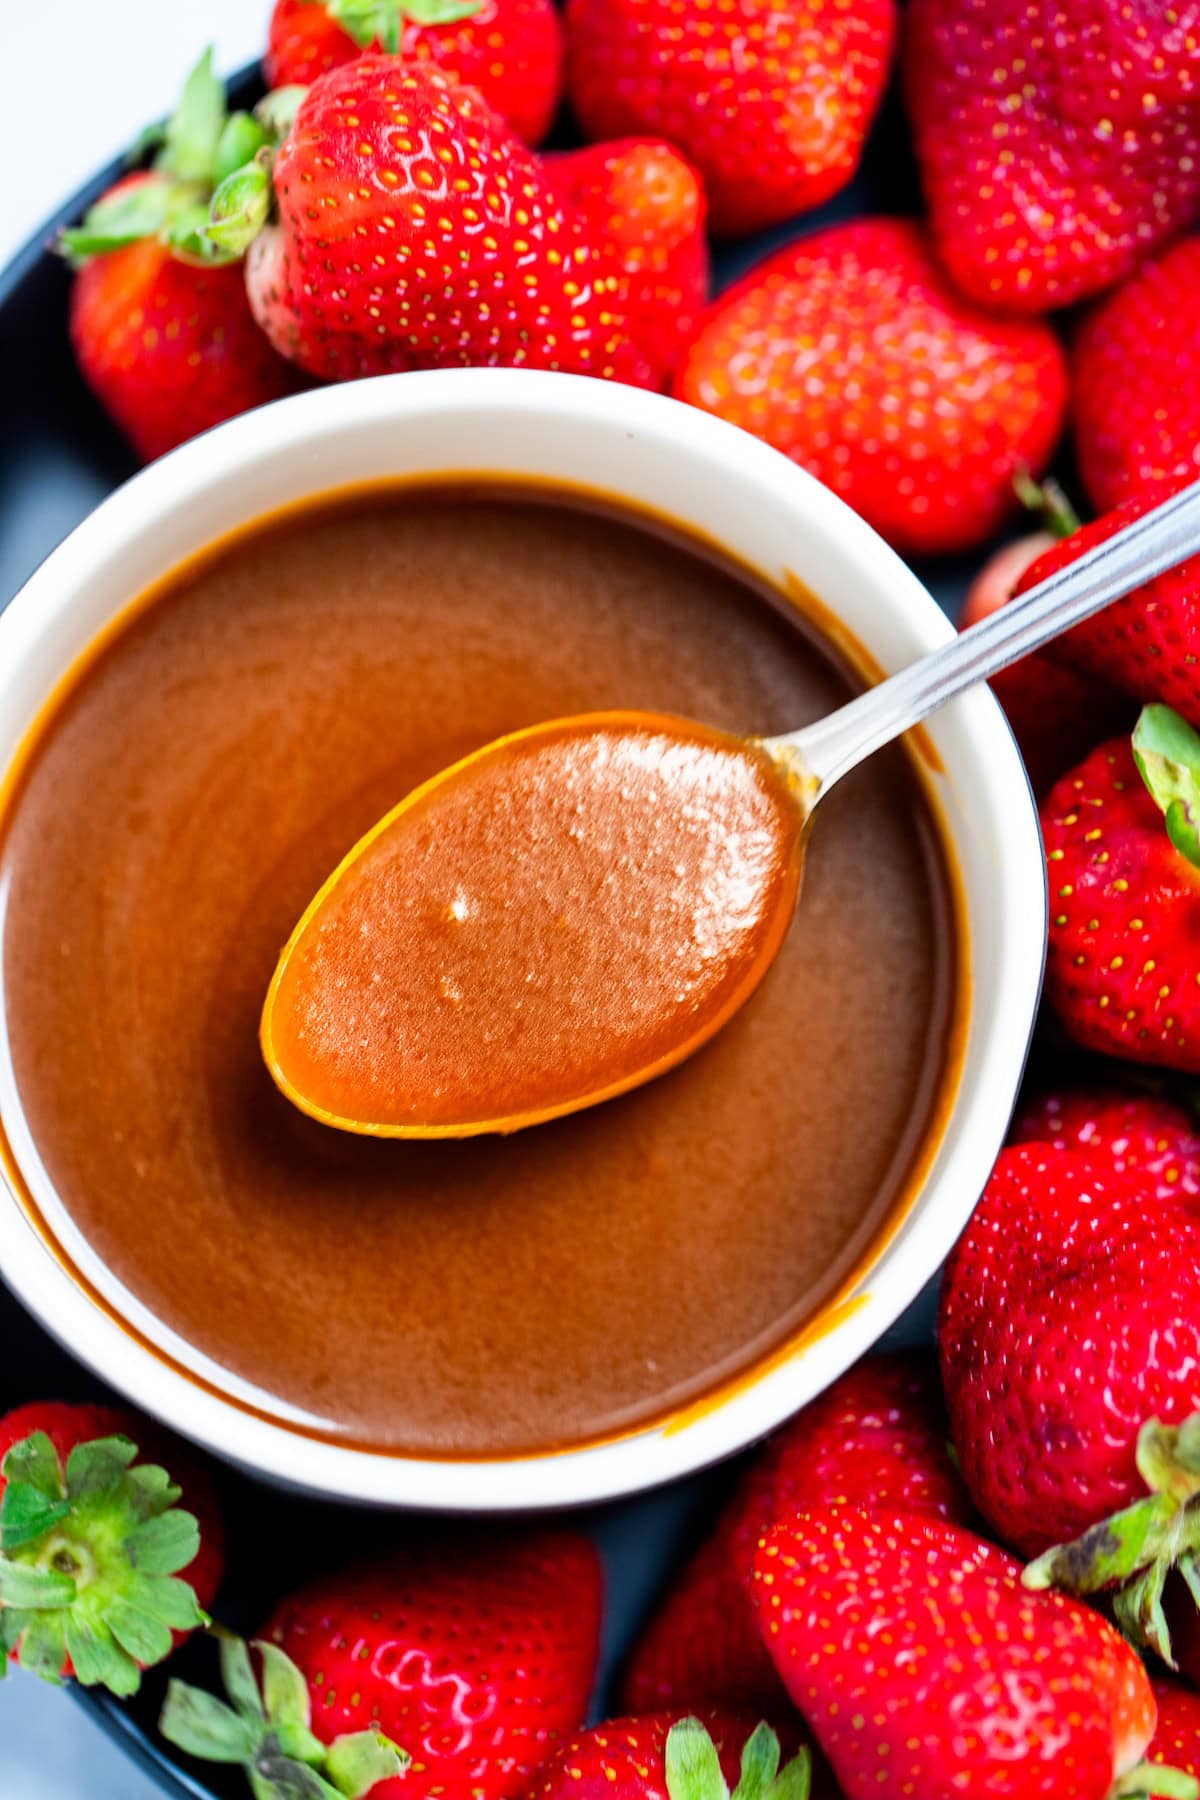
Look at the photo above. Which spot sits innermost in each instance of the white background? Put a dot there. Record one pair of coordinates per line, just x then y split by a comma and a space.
78, 79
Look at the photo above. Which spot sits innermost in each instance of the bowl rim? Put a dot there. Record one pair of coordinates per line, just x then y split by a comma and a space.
660, 1452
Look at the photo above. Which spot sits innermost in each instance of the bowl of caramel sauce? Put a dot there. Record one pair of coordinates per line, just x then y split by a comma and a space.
208, 694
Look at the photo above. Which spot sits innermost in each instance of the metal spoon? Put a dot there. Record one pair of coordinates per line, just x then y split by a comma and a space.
442, 985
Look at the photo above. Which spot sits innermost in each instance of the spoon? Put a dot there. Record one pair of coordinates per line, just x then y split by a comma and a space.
576, 908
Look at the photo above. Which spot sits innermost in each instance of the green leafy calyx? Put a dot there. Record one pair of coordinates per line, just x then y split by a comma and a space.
1167, 753
1134, 1550
89, 1562
694, 1767
382, 21
200, 151
267, 1729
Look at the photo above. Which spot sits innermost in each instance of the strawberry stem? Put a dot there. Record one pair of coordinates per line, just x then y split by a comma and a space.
1048, 500
89, 1562
267, 1729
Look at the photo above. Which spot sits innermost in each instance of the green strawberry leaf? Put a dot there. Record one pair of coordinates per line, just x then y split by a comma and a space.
1167, 753
1108, 1552
356, 1762
33, 1589
35, 1461
194, 132
27, 1514
693, 1766
285, 1691
1155, 1781
42, 1647
240, 142
794, 1781
97, 1658
760, 1764
123, 218
164, 1545
204, 1726
237, 1676
441, 12
97, 1467
146, 1638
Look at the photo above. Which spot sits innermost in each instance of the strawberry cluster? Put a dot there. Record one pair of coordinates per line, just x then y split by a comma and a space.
386, 208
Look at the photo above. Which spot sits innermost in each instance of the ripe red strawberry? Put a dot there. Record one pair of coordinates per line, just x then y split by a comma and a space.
511, 50
1056, 714
647, 204
1059, 140
415, 231
926, 1670
162, 333
1176, 1741
851, 353
1145, 1134
664, 1757
1070, 1344
93, 1544
1070, 1314
878, 1436
1147, 644
1122, 971
474, 1659
1137, 380
771, 103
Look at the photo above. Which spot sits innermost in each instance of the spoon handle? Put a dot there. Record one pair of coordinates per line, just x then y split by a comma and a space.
1151, 544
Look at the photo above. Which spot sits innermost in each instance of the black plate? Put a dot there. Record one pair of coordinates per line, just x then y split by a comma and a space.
59, 457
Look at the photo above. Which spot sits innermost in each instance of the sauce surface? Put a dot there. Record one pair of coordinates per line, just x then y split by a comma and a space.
188, 795
568, 913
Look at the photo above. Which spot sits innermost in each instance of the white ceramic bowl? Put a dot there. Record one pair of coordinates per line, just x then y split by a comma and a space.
773, 517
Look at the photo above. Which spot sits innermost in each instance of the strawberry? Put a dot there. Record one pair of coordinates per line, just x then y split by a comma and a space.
415, 231
1125, 895
1146, 1134
877, 1436
92, 1543
1070, 1344
1137, 380
926, 1669
1146, 644
851, 353
664, 1757
169, 346
1058, 140
644, 201
475, 1660
1176, 1741
1056, 713
771, 102
511, 50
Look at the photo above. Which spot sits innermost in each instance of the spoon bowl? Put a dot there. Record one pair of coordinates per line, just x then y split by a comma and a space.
559, 917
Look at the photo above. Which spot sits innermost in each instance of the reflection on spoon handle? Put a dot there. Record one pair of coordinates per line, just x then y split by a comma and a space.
1153, 543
